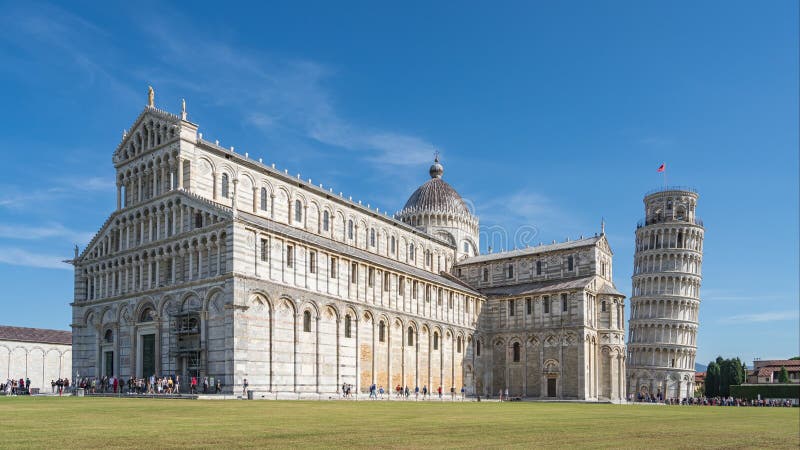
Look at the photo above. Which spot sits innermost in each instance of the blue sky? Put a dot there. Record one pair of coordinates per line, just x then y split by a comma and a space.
548, 115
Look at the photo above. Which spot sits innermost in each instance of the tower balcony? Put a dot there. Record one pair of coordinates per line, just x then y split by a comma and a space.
658, 220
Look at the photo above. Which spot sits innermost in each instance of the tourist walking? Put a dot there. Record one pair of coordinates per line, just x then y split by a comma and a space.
244, 388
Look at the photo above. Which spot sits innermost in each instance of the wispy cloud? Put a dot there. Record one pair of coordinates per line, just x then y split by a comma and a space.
725, 295
279, 94
523, 207
53, 230
21, 257
65, 40
773, 316
65, 188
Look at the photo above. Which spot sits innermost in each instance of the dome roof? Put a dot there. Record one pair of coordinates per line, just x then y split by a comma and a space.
436, 196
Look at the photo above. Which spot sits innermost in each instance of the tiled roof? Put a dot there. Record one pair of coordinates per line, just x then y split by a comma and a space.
609, 289
357, 253
531, 250
777, 363
35, 335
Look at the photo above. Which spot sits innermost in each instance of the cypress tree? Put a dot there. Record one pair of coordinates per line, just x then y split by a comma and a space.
783, 377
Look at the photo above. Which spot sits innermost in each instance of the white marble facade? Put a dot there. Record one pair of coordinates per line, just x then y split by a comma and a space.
662, 343
217, 265
39, 355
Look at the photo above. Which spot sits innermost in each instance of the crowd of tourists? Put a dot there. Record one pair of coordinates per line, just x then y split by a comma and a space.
404, 393
16, 387
709, 401
152, 385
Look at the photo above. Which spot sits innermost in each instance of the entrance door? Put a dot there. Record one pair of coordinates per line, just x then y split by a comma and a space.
109, 368
551, 387
148, 355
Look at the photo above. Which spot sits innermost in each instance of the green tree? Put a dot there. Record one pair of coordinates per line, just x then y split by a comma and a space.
712, 380
794, 358
722, 373
783, 377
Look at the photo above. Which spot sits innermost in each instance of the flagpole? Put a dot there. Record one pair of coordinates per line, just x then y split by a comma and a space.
665, 175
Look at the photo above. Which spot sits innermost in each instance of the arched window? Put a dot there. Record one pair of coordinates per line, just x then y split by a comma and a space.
372, 237
326, 221
410, 336
347, 326
485, 275
603, 306
458, 345
298, 211
411, 252
263, 199
510, 271
435, 340
516, 351
478, 348
381, 332
349, 229
466, 247
307, 321
392, 245
109, 337
570, 263
148, 315
224, 185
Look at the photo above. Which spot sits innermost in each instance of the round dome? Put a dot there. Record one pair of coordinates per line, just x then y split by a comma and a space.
436, 196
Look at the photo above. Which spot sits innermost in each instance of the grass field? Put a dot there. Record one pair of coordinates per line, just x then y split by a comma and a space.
145, 423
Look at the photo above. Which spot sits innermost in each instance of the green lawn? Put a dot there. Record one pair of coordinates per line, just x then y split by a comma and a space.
71, 422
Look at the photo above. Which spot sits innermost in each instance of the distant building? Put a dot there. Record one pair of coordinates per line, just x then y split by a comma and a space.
35, 353
768, 371
699, 381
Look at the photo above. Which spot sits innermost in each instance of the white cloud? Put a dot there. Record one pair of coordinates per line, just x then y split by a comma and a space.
20, 257
53, 230
278, 94
66, 188
63, 40
520, 207
724, 295
772, 316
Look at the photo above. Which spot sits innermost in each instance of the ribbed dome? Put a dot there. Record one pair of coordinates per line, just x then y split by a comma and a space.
436, 196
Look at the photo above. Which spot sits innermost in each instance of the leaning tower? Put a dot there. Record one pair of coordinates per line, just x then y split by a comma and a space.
666, 296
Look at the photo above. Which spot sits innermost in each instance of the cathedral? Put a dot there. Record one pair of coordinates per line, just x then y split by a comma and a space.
216, 265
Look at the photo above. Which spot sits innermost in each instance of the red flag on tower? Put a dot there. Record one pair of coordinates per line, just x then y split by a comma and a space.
662, 167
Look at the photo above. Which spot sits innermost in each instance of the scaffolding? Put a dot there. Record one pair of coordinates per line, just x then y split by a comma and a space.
185, 345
